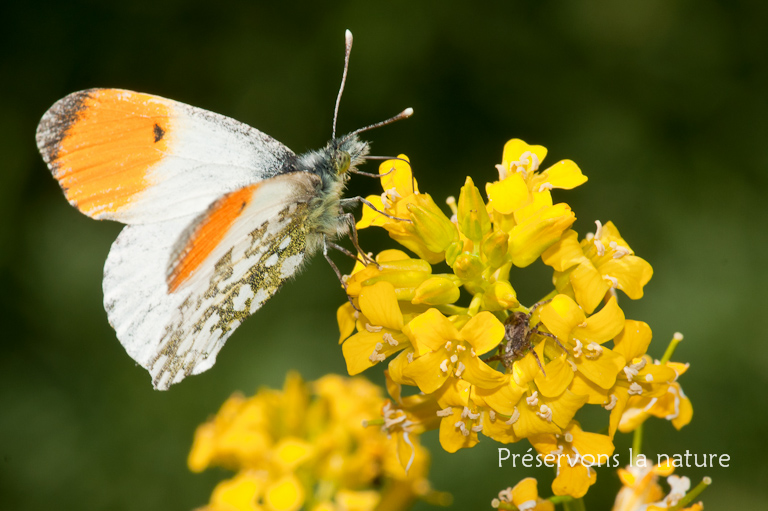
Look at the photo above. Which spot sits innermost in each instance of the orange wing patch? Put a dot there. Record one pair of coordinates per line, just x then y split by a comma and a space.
207, 234
101, 144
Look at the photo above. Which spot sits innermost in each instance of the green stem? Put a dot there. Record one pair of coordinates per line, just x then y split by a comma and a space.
692, 494
671, 348
637, 442
574, 505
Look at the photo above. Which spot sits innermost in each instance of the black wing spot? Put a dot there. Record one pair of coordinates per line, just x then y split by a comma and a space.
159, 132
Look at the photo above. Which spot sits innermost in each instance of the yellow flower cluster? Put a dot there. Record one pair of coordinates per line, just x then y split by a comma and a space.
493, 365
640, 491
306, 447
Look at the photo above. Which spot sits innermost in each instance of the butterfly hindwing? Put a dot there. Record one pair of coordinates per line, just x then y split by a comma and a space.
138, 158
221, 266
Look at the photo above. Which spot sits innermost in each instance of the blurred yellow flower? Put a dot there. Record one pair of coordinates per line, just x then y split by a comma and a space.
307, 447
524, 496
574, 452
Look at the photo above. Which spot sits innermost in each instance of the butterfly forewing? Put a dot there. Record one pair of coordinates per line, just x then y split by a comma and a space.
138, 158
173, 318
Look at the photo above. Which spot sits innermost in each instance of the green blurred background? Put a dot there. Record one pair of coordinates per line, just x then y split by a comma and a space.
662, 103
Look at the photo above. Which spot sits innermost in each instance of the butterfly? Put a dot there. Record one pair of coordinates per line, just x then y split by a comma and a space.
218, 215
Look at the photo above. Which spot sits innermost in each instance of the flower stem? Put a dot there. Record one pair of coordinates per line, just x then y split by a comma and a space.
671, 348
637, 441
574, 505
692, 494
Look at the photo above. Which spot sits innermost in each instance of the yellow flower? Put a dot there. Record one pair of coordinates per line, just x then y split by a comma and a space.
524, 496
642, 492
584, 336
574, 452
519, 176
639, 385
307, 444
522, 202
601, 262
418, 223
407, 417
381, 332
440, 350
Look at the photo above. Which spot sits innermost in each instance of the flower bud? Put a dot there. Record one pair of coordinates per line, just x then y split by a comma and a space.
468, 266
495, 247
453, 251
500, 296
431, 224
437, 290
472, 214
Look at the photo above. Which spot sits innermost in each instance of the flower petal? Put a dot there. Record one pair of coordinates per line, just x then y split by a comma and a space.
565, 253
507, 195
559, 376
589, 286
483, 332
602, 326
430, 331
479, 373
561, 316
634, 340
601, 370
427, 372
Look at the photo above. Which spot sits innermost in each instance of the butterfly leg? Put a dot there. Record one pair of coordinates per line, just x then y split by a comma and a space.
353, 235
346, 252
368, 203
336, 271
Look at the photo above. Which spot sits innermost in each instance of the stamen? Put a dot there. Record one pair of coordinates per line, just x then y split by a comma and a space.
477, 428
506, 495
513, 418
613, 280
545, 186
444, 366
448, 346
445, 412
649, 377
533, 400
409, 357
596, 350
599, 246
545, 413
460, 348
577, 349
502, 172
535, 163
451, 201
612, 404
372, 328
385, 201
492, 415
390, 339
459, 370
599, 230
635, 389
568, 437
454, 359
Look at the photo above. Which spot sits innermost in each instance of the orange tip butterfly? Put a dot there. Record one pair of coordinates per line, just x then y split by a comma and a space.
218, 214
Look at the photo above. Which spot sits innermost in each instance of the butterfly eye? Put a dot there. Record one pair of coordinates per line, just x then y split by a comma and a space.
342, 162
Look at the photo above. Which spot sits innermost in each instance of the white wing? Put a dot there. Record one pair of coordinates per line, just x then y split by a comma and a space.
174, 319
137, 158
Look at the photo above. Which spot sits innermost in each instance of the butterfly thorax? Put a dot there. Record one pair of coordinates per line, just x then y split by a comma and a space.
332, 165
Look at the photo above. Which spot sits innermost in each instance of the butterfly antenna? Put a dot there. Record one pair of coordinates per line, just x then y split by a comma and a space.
399, 117
347, 51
